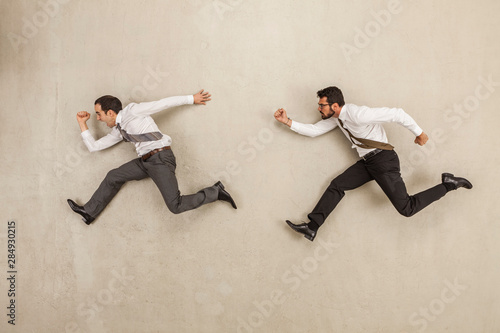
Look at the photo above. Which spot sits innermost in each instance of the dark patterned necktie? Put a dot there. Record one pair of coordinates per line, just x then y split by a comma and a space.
152, 136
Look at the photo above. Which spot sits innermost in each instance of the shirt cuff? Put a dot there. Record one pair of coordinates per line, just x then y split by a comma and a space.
190, 99
86, 134
418, 131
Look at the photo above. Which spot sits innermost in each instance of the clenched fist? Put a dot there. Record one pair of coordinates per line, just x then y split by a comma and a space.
281, 116
421, 139
82, 116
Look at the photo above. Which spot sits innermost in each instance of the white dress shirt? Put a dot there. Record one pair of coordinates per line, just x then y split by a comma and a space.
136, 119
363, 122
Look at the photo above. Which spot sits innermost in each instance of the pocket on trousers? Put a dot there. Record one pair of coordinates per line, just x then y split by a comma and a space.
385, 162
392, 164
167, 157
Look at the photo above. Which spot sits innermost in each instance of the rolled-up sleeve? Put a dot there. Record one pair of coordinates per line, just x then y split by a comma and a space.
105, 142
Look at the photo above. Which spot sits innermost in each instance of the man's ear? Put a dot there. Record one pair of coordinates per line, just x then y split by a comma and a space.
111, 113
335, 108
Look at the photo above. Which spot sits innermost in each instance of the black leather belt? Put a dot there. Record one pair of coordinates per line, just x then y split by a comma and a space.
371, 154
152, 152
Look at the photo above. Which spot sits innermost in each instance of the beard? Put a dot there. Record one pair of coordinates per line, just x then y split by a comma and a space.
324, 116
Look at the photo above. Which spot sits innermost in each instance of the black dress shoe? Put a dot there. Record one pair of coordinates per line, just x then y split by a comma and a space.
456, 182
80, 210
303, 229
223, 195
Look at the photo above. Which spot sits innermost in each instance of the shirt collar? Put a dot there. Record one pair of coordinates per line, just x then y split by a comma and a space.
343, 113
118, 119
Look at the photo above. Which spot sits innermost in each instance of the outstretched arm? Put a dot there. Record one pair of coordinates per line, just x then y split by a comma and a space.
149, 108
312, 130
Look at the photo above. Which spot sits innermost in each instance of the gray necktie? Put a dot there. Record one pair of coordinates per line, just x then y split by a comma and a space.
152, 136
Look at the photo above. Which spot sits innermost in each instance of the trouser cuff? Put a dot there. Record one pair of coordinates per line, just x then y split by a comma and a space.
313, 226
449, 187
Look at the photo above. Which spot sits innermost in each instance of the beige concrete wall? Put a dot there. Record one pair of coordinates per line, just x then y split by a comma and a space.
139, 268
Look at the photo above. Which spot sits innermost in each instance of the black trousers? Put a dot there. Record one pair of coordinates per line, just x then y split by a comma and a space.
384, 169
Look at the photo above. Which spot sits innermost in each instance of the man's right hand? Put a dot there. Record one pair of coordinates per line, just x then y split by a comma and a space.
82, 116
280, 115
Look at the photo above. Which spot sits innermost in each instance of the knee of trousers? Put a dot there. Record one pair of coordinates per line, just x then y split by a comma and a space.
174, 210
335, 187
405, 211
174, 207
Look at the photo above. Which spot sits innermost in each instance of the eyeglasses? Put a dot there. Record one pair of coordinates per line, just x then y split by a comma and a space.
323, 105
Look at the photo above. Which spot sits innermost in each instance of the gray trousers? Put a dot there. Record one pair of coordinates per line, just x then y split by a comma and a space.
161, 168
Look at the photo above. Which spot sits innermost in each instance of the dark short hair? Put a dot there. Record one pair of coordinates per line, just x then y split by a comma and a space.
109, 102
333, 95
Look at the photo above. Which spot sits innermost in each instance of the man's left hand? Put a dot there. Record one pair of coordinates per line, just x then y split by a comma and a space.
201, 97
421, 139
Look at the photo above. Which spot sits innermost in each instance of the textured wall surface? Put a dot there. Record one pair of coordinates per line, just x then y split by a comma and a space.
140, 268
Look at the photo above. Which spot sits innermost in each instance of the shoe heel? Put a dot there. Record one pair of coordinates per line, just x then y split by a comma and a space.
309, 237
